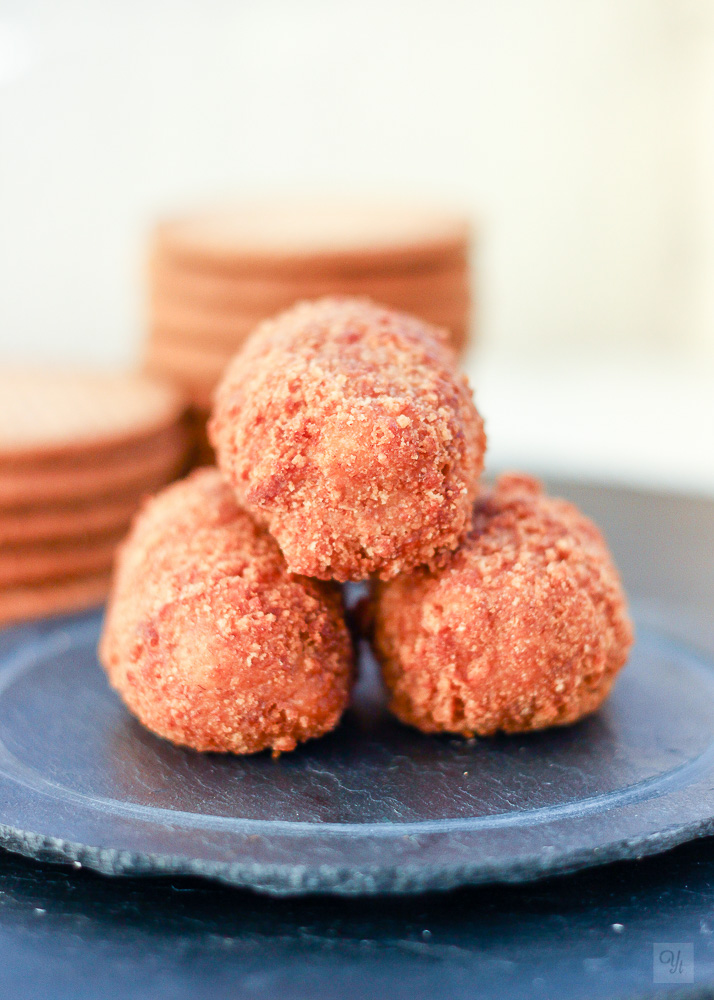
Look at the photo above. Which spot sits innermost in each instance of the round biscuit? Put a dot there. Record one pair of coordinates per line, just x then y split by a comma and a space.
27, 564
197, 370
163, 457
50, 415
255, 298
56, 597
221, 334
298, 237
88, 517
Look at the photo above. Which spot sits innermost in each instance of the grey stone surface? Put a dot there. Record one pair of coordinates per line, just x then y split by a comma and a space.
373, 808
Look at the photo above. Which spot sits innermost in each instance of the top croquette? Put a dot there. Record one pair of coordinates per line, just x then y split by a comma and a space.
345, 428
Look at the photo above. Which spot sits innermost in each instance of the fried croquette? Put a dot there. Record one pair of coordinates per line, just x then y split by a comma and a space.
345, 428
209, 640
526, 627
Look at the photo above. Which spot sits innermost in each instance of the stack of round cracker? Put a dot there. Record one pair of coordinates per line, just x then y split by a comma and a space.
78, 452
214, 276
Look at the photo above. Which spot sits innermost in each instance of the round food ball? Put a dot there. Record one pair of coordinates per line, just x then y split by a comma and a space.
526, 627
345, 428
209, 640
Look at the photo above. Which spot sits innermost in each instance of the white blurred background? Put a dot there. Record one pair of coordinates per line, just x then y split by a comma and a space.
579, 135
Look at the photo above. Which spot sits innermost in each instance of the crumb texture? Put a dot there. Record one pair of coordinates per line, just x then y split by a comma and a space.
525, 627
346, 429
208, 638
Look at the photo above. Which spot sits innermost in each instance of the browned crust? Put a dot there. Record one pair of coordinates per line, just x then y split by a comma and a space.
210, 641
345, 427
525, 627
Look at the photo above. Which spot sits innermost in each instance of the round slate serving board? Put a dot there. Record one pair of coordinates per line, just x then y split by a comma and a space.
374, 807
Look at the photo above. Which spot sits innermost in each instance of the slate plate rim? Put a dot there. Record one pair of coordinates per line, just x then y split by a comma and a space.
291, 879
281, 881
388, 829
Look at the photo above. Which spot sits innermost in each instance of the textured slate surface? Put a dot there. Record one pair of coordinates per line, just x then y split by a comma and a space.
373, 808
68, 933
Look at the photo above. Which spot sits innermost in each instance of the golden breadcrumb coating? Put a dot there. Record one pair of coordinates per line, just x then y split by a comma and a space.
209, 640
346, 429
526, 627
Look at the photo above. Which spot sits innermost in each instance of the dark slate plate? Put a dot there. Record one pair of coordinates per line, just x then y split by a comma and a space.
374, 807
